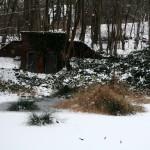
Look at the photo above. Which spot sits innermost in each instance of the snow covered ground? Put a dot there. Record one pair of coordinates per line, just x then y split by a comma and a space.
76, 131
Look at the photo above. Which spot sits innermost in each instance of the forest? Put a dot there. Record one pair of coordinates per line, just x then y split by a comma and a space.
74, 17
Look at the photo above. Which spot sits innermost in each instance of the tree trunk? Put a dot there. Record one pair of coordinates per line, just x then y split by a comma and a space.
64, 17
46, 22
34, 16
94, 23
124, 30
118, 25
26, 14
83, 21
99, 24
137, 38
76, 21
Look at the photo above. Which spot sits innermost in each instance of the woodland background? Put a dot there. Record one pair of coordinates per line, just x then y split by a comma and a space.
72, 15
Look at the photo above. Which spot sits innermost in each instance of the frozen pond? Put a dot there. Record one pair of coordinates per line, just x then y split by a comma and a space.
44, 104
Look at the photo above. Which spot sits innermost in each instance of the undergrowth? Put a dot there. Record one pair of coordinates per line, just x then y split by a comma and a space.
23, 105
45, 118
65, 91
100, 99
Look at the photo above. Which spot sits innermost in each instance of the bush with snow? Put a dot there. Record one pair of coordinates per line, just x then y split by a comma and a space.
23, 105
138, 65
38, 119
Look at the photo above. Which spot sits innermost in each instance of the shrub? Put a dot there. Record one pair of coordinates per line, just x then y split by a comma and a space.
23, 105
114, 106
41, 119
65, 91
99, 99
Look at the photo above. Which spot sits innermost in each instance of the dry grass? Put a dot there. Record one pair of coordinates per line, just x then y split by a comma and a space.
138, 99
102, 99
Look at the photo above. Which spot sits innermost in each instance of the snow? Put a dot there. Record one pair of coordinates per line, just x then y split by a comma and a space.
8, 75
9, 63
124, 76
42, 91
6, 97
76, 131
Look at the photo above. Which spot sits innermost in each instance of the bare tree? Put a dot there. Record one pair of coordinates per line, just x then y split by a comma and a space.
8, 21
128, 6
77, 15
26, 14
46, 19
83, 20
